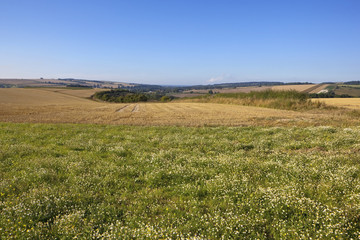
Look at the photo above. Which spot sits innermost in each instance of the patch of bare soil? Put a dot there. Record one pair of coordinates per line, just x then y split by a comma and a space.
122, 108
136, 108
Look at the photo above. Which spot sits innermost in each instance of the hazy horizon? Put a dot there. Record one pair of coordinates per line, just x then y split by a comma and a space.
173, 85
181, 42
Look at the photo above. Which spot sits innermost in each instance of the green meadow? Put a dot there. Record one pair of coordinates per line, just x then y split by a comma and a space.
64, 181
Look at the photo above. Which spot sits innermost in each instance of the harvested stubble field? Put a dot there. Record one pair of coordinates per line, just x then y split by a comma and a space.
300, 88
73, 106
307, 88
282, 176
352, 103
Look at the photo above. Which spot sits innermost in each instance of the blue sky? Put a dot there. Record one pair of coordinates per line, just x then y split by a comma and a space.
181, 42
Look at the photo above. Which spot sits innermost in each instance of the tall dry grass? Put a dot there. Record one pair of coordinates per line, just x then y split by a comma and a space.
287, 100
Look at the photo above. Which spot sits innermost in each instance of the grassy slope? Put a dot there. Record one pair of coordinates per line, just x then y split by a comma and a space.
96, 181
352, 90
288, 100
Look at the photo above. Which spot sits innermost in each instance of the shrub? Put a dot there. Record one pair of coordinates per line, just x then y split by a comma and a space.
165, 99
120, 96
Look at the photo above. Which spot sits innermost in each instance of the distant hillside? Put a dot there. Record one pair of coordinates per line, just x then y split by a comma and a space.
72, 82
240, 84
60, 82
344, 89
180, 89
352, 83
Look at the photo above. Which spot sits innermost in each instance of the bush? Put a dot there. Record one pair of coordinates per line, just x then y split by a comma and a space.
120, 96
165, 99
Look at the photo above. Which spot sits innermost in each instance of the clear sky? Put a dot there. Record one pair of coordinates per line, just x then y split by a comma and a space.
179, 42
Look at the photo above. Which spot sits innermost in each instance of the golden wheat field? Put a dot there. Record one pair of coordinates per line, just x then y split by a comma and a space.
44, 105
300, 88
353, 103
308, 88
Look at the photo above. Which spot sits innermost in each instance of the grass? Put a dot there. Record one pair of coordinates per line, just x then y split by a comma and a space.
288, 100
348, 90
125, 182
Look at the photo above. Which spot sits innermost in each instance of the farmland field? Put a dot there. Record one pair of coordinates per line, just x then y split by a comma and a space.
352, 90
300, 88
191, 170
72, 106
353, 103
313, 88
51, 83
122, 182
232, 90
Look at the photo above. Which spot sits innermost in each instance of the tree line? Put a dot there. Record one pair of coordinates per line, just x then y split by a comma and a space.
120, 96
